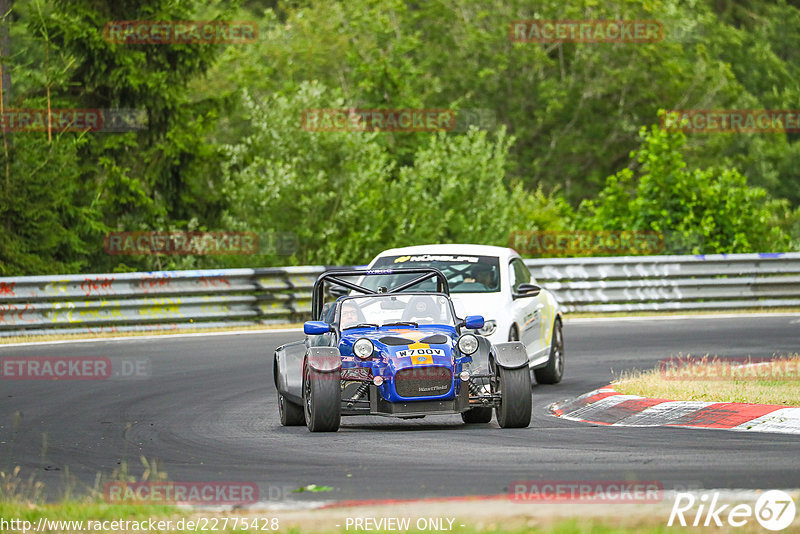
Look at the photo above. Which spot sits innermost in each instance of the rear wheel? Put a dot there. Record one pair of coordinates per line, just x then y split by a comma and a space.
477, 415
291, 414
322, 400
553, 372
516, 405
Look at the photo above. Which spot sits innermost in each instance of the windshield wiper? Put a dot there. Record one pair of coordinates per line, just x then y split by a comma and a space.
402, 323
362, 325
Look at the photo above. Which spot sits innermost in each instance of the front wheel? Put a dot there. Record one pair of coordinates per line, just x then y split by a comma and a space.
322, 400
516, 405
553, 372
291, 414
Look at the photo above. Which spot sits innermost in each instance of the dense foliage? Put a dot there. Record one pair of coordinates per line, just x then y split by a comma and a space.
573, 143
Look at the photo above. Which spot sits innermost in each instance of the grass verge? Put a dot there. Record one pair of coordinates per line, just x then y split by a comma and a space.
715, 379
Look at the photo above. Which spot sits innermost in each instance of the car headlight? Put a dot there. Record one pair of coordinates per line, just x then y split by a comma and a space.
363, 348
488, 328
467, 344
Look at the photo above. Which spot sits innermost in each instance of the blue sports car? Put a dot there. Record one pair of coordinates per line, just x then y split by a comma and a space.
396, 351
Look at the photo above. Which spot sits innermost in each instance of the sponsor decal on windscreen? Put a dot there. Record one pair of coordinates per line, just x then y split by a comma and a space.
430, 257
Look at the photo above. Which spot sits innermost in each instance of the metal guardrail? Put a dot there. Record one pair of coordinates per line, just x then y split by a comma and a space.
168, 300
160, 300
657, 283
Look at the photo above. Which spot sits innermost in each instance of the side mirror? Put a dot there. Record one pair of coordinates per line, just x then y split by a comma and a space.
316, 328
527, 290
474, 322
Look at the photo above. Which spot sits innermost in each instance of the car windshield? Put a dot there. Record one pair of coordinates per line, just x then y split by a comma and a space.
465, 274
406, 309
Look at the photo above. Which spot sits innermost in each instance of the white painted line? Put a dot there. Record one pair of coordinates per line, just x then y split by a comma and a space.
785, 421
666, 413
161, 336
576, 320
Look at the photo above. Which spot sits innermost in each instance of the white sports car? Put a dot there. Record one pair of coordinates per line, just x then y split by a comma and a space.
495, 283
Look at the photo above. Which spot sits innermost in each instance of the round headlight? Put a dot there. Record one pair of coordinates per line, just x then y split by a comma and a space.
363, 348
467, 344
378, 380
464, 376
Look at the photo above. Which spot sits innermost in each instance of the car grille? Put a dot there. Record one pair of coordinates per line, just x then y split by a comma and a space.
423, 381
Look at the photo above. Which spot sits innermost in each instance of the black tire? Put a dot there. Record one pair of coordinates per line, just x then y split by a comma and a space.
477, 415
322, 400
553, 372
515, 398
291, 414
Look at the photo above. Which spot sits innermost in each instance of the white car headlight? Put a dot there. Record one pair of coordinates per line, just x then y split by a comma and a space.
467, 344
363, 348
488, 329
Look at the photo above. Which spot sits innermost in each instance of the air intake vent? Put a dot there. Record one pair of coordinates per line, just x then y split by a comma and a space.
436, 339
423, 381
395, 341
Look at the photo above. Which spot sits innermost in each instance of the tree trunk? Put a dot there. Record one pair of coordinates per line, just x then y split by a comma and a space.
5, 47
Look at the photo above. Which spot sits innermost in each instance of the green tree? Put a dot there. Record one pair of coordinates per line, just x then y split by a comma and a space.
709, 210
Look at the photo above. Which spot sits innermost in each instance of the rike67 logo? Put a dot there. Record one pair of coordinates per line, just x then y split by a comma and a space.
774, 510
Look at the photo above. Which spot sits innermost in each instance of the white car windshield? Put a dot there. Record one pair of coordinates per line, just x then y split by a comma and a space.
404, 308
465, 274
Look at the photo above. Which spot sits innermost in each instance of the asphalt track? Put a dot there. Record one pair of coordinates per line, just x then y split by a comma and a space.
208, 412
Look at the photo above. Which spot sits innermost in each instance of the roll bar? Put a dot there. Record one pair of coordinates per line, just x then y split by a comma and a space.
333, 277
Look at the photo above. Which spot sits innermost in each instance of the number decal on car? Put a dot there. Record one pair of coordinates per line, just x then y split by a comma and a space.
420, 352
